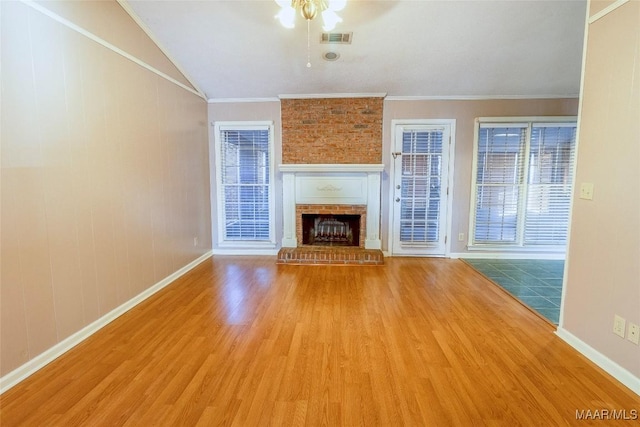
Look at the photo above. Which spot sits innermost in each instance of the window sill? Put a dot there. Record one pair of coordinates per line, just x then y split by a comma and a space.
243, 244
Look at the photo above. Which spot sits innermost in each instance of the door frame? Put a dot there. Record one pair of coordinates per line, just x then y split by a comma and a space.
395, 123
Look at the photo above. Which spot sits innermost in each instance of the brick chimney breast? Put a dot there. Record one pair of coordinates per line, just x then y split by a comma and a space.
332, 130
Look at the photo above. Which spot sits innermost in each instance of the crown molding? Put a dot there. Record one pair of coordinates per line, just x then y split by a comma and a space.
332, 95
330, 168
390, 97
233, 100
476, 97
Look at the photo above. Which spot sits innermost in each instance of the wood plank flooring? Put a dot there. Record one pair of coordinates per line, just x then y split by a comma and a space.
241, 341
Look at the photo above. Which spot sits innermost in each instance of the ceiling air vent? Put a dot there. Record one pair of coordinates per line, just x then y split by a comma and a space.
336, 38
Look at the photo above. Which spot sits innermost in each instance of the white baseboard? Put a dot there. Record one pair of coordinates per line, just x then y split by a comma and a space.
38, 362
611, 367
246, 251
507, 255
417, 255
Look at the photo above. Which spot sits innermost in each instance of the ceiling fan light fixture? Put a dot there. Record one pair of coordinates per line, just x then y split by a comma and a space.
309, 9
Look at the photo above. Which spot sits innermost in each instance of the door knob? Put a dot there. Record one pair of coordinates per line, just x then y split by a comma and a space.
397, 199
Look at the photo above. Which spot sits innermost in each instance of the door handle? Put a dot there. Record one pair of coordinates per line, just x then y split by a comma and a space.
395, 154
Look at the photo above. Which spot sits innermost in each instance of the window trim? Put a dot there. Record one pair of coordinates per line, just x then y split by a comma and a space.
529, 122
243, 125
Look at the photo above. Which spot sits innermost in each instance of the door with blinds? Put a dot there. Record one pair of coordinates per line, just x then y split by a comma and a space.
420, 188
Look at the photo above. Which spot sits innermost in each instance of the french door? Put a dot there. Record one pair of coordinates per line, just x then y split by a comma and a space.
421, 153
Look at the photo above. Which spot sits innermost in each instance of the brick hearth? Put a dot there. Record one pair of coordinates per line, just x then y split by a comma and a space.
322, 255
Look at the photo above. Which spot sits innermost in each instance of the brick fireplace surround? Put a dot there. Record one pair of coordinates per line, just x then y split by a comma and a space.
331, 189
331, 154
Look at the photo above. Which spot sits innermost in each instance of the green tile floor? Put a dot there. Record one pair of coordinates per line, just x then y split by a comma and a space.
537, 283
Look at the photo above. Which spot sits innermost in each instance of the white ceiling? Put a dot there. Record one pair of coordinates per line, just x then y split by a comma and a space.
420, 48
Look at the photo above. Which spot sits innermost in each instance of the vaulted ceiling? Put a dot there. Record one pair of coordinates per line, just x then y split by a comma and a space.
420, 48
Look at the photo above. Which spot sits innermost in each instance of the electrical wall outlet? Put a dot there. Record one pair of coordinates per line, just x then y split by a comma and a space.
195, 241
460, 237
619, 325
633, 334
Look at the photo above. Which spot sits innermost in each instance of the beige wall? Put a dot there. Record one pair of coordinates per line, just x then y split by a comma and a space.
603, 271
104, 177
107, 20
465, 113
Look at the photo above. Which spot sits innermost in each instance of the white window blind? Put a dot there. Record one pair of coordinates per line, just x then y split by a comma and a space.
522, 184
551, 162
499, 173
244, 183
421, 186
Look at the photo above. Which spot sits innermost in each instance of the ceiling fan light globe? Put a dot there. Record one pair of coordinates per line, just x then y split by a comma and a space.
287, 17
330, 20
337, 5
283, 3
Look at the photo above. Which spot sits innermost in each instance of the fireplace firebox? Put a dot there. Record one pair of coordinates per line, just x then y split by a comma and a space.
330, 230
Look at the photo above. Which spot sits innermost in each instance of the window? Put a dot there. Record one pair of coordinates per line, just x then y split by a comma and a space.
522, 183
244, 175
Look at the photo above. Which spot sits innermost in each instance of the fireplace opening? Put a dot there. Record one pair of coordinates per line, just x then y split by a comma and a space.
330, 230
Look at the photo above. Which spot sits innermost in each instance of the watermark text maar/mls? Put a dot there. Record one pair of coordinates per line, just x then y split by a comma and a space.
607, 414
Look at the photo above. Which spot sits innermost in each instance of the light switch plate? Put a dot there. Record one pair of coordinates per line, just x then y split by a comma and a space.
586, 191
619, 325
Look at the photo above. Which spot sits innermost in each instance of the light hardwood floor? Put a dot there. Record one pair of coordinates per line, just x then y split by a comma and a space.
242, 341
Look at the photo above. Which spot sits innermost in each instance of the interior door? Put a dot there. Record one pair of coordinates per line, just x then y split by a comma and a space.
420, 188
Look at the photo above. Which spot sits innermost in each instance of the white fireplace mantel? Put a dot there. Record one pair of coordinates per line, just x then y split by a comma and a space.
331, 168
324, 184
